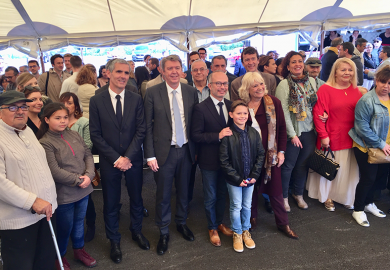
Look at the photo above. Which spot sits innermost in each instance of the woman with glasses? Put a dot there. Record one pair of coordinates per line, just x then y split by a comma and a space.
384, 54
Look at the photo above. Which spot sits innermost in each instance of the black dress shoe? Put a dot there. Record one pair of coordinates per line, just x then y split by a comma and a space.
89, 234
162, 245
116, 253
268, 207
146, 213
141, 240
185, 231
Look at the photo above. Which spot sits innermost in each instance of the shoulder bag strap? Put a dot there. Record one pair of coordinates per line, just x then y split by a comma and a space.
47, 80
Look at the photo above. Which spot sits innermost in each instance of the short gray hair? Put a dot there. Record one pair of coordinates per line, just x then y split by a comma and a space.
199, 60
111, 64
172, 57
220, 57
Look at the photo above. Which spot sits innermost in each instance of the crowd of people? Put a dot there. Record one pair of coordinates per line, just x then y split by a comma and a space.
251, 135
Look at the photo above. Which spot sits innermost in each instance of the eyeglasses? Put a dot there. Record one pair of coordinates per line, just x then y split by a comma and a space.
16, 108
219, 84
202, 53
33, 66
9, 77
377, 41
200, 69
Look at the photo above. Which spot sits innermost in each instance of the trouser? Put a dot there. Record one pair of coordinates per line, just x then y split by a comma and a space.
370, 175
294, 168
111, 185
191, 184
177, 166
90, 216
29, 248
70, 223
277, 203
240, 207
214, 190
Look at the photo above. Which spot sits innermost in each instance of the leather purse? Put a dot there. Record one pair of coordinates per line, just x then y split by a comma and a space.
96, 179
376, 155
324, 166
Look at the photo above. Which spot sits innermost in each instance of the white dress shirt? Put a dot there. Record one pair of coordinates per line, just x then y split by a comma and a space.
114, 100
225, 112
179, 98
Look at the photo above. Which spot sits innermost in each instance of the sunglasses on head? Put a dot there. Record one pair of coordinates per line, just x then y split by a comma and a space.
30, 88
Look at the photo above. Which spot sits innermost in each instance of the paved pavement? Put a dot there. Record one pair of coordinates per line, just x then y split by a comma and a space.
328, 240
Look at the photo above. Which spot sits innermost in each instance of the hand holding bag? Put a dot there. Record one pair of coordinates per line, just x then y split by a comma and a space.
324, 166
376, 155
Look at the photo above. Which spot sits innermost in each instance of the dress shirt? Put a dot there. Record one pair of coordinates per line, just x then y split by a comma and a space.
225, 112
204, 94
179, 98
114, 100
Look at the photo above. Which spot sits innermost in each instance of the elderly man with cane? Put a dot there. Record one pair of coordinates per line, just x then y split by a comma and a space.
27, 191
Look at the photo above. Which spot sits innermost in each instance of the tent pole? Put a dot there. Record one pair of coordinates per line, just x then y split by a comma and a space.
188, 54
41, 58
322, 39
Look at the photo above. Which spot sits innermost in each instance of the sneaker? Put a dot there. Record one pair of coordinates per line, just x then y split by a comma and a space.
361, 218
65, 264
286, 205
247, 238
329, 205
301, 203
350, 207
237, 242
371, 208
81, 255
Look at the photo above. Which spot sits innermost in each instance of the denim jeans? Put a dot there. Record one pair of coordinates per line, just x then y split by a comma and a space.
240, 207
70, 223
214, 190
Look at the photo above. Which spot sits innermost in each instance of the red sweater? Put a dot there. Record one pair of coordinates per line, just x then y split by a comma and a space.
341, 110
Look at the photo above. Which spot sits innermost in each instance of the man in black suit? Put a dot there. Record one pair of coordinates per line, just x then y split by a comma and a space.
219, 63
329, 58
194, 56
203, 54
117, 127
168, 146
209, 126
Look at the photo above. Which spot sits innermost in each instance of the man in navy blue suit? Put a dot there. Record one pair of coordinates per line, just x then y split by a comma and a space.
118, 128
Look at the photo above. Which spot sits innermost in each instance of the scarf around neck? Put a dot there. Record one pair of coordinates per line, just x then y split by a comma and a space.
272, 151
297, 102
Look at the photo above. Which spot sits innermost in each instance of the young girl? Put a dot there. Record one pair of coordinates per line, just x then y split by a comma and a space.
72, 167
241, 156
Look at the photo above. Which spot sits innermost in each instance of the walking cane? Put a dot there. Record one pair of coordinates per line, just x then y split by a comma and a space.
56, 245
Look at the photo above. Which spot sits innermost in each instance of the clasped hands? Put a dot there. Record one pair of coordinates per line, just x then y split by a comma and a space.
123, 164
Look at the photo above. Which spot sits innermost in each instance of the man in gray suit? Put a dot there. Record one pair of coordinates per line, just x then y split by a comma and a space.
250, 60
168, 147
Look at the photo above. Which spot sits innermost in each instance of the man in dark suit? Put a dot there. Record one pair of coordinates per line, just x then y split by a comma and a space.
203, 54
329, 58
209, 126
168, 146
194, 56
128, 87
250, 60
117, 127
219, 63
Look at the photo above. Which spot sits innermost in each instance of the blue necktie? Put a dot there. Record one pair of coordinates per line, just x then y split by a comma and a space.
178, 123
118, 109
220, 104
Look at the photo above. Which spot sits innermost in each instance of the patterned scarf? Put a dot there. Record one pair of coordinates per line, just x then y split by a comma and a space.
297, 102
271, 156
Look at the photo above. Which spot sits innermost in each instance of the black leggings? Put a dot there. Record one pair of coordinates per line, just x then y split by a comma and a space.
370, 176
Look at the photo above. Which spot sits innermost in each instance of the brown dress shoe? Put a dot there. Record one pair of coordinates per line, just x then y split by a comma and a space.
225, 230
287, 231
214, 238
253, 224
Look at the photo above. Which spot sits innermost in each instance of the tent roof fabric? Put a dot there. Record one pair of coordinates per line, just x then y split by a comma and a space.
94, 23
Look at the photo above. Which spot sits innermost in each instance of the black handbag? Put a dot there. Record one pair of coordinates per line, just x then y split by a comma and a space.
324, 166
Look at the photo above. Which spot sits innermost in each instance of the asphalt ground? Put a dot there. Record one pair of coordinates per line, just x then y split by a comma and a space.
328, 240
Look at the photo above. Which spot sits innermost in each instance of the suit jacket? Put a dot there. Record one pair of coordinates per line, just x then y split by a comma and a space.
269, 81
110, 139
327, 61
128, 87
205, 128
159, 80
159, 121
231, 78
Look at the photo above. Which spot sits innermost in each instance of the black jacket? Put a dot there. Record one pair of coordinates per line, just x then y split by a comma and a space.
230, 156
327, 61
359, 68
368, 63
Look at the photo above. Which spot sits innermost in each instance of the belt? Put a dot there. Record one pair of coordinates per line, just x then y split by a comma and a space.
176, 146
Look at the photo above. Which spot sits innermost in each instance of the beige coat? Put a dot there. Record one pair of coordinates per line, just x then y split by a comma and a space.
54, 84
86, 91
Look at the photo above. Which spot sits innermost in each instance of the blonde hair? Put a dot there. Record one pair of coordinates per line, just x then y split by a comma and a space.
247, 81
132, 75
22, 79
363, 90
332, 76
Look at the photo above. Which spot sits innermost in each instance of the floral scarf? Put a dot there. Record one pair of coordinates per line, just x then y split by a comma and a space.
272, 151
297, 102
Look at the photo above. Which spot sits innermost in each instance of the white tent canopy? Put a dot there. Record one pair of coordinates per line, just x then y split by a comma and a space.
49, 24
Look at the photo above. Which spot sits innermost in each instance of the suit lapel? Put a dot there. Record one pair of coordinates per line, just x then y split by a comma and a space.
110, 109
213, 111
127, 107
165, 102
228, 104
